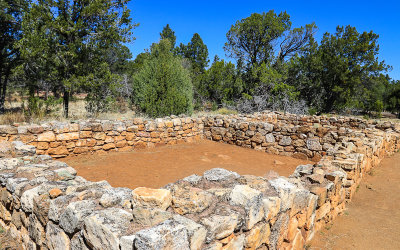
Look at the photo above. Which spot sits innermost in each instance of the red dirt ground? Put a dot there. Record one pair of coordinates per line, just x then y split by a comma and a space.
159, 166
372, 218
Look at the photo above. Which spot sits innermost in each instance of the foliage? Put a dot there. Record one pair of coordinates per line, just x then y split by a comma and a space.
251, 39
162, 86
168, 33
197, 53
79, 33
11, 12
40, 108
342, 72
221, 83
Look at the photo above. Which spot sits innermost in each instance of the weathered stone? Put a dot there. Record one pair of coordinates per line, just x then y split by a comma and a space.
313, 144
196, 232
103, 229
56, 238
41, 206
167, 235
54, 193
257, 236
58, 205
220, 174
150, 216
127, 242
278, 231
23, 150
48, 136
286, 191
28, 196
190, 200
78, 243
61, 150
251, 200
272, 206
72, 218
323, 211
36, 230
160, 198
116, 196
220, 226
316, 178
269, 138
193, 179
285, 141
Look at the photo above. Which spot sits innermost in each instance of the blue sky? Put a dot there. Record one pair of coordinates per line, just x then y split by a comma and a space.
212, 20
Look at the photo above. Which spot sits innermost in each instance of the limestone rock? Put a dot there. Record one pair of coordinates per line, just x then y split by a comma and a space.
220, 174
237, 242
116, 196
193, 179
56, 238
58, 205
269, 138
190, 200
257, 236
74, 214
285, 141
196, 232
314, 144
146, 216
167, 235
251, 200
127, 242
286, 191
103, 229
220, 226
272, 206
160, 198
78, 243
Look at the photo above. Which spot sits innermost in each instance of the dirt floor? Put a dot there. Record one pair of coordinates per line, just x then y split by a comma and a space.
159, 166
372, 220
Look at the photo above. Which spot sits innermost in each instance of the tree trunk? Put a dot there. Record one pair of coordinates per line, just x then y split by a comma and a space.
66, 103
3, 86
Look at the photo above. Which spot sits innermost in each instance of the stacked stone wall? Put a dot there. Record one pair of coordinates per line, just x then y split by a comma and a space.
44, 205
60, 139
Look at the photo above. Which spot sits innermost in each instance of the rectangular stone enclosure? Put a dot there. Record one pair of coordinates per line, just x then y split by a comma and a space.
46, 205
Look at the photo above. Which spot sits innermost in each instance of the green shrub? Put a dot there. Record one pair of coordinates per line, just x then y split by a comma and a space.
162, 86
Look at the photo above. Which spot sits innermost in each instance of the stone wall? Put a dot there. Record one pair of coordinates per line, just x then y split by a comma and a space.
60, 139
44, 205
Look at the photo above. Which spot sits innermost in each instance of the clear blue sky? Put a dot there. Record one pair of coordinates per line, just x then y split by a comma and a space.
212, 20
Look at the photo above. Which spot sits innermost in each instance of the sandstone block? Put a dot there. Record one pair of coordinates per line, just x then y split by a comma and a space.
48, 136
160, 198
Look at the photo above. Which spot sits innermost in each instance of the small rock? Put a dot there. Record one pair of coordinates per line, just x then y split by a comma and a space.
54, 193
